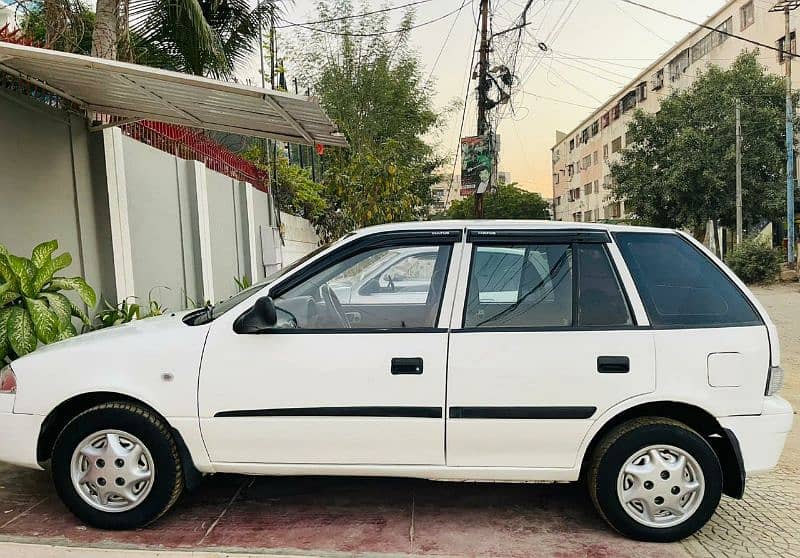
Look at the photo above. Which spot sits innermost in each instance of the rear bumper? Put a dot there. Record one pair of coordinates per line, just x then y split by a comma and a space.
19, 435
762, 437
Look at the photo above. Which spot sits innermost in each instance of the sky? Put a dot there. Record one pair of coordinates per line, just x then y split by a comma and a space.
594, 47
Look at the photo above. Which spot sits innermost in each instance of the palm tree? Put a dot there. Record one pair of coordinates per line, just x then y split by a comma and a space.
201, 37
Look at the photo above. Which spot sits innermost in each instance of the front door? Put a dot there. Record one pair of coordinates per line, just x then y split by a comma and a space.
354, 370
547, 343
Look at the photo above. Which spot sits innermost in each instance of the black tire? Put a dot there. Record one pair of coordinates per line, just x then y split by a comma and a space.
153, 433
621, 444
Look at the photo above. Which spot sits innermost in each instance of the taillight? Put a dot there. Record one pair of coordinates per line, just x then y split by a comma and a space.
8, 381
774, 380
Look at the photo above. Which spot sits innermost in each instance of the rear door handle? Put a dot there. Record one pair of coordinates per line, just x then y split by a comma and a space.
406, 366
613, 364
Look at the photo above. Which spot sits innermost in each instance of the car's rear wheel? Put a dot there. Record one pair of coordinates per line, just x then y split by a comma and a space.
655, 479
117, 466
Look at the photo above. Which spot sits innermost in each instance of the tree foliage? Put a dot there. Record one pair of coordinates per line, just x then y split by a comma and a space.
293, 190
201, 37
678, 169
755, 261
66, 27
508, 202
370, 84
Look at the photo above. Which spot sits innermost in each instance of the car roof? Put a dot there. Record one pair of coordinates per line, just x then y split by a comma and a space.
510, 224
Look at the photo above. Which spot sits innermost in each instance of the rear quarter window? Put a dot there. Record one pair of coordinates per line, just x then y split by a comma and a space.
680, 286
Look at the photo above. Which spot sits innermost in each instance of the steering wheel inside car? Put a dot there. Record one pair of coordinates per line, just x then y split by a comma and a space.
334, 305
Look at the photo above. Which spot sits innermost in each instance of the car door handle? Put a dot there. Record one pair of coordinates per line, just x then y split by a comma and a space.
613, 364
406, 366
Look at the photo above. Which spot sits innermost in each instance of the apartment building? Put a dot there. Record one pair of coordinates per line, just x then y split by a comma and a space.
581, 157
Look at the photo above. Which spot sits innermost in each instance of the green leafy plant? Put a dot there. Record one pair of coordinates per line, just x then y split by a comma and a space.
242, 282
126, 311
755, 261
33, 307
112, 315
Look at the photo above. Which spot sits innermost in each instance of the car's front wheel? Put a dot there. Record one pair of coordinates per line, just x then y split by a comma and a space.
117, 466
655, 479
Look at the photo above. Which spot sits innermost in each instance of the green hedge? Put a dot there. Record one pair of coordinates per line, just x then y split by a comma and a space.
754, 261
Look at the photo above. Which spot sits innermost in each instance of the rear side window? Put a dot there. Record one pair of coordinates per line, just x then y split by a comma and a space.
680, 286
544, 286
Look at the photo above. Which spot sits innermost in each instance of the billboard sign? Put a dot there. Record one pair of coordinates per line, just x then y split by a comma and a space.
477, 162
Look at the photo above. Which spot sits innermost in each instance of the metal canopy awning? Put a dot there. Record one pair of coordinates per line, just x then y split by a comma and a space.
139, 92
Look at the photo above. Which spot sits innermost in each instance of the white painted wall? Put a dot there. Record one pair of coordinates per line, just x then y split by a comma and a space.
138, 221
299, 237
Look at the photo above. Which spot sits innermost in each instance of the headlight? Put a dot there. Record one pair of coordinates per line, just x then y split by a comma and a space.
774, 380
8, 381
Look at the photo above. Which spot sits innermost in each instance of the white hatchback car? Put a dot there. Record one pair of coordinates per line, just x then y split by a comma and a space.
485, 351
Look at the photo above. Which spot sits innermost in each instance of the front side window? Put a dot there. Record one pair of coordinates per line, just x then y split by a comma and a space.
384, 288
680, 286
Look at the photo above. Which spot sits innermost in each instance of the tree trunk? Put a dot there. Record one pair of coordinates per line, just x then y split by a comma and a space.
104, 37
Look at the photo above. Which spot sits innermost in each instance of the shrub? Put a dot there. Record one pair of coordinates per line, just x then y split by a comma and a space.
33, 308
754, 261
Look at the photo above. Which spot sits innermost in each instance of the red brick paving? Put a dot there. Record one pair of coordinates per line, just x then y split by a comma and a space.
348, 515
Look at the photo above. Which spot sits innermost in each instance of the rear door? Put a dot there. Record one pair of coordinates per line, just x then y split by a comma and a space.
544, 341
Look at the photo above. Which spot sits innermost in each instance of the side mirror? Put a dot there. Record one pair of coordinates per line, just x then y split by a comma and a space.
260, 317
264, 309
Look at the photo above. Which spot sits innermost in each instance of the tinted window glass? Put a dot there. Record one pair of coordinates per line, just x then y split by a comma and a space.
600, 299
520, 286
394, 287
680, 286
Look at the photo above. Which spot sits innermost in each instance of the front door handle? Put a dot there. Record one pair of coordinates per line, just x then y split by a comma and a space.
613, 364
406, 366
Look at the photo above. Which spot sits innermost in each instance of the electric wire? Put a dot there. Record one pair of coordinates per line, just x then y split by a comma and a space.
381, 33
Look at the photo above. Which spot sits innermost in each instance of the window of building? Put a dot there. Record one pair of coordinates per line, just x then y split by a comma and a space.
596, 186
658, 80
555, 178
587, 189
726, 27
570, 169
577, 216
616, 144
558, 200
594, 158
627, 139
586, 162
585, 135
615, 112
613, 211
747, 14
641, 91
677, 66
396, 287
792, 44
703, 47
605, 120
572, 145
595, 127
680, 286
605, 152
520, 286
628, 101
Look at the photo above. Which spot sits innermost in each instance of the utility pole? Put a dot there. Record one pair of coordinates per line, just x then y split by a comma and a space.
261, 47
483, 90
738, 172
786, 6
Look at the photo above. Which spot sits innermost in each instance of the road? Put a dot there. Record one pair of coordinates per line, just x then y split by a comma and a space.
356, 516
